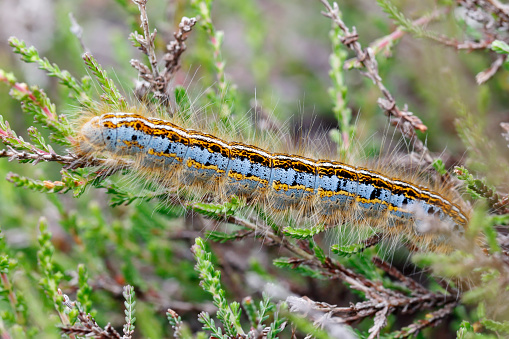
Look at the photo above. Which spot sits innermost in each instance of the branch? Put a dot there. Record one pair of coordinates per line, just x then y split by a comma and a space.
411, 284
147, 42
463, 45
404, 120
13, 154
485, 75
87, 325
502, 10
431, 319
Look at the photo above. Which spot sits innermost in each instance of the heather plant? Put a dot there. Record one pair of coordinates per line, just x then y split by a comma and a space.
89, 253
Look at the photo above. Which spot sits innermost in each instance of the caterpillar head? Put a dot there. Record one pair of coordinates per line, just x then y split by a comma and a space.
98, 134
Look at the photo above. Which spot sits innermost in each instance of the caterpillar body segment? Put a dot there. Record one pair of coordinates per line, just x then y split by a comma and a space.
331, 190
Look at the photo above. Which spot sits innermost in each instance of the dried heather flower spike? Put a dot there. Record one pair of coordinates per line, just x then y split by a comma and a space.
177, 47
154, 81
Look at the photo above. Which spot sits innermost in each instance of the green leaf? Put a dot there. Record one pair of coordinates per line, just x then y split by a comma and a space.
30, 55
228, 314
439, 166
291, 263
303, 233
500, 47
111, 94
348, 250
183, 102
218, 211
319, 254
496, 325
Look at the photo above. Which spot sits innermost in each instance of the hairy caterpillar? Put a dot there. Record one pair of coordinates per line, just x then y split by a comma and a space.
332, 191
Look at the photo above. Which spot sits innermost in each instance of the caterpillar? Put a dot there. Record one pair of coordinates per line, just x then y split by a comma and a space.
332, 191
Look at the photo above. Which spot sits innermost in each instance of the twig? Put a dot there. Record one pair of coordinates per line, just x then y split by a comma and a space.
77, 31
379, 322
361, 310
405, 120
373, 240
413, 285
464, 45
72, 160
485, 75
13, 300
431, 319
153, 82
88, 327
13, 154
269, 234
148, 41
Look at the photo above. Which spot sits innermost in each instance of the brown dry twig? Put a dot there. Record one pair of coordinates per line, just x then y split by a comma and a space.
405, 120
372, 241
381, 310
88, 327
431, 319
411, 284
146, 40
488, 73
71, 160
153, 80
492, 18
381, 298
